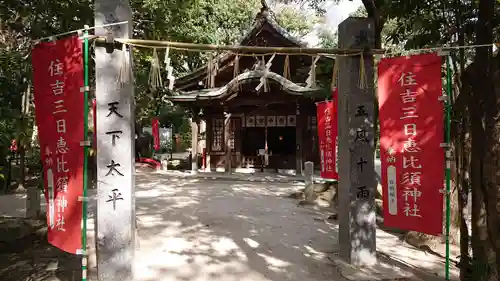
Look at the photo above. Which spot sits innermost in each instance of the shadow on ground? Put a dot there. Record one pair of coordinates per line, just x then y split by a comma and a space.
26, 255
210, 230
193, 229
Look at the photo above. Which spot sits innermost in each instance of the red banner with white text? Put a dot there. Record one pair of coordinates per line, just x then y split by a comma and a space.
57, 80
328, 137
411, 132
155, 129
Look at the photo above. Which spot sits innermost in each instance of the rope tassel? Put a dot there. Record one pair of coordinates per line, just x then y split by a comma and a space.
236, 70
124, 76
286, 69
363, 81
155, 74
335, 73
210, 71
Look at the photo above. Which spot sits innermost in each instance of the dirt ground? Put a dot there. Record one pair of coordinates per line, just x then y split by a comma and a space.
25, 254
195, 229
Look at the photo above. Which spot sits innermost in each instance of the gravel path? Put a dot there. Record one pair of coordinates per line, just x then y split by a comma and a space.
197, 230
194, 229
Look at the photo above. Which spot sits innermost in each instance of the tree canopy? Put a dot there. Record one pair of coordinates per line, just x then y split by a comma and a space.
400, 26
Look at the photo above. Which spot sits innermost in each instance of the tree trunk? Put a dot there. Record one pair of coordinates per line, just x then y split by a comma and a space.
463, 162
485, 189
479, 232
373, 12
21, 183
461, 136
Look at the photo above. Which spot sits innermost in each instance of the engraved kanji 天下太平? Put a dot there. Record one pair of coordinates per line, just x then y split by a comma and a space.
114, 167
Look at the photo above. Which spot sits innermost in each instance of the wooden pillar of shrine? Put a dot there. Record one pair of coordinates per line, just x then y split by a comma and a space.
299, 125
237, 142
195, 128
227, 141
208, 141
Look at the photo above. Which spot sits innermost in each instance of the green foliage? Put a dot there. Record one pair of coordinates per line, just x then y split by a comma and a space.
196, 21
418, 24
12, 84
328, 39
296, 21
317, 5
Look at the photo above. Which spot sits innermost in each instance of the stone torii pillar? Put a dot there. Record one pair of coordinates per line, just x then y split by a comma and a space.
357, 182
115, 145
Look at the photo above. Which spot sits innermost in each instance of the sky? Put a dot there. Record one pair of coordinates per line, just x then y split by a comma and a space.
335, 14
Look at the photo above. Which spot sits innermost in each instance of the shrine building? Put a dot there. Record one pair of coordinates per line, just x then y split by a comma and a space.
248, 117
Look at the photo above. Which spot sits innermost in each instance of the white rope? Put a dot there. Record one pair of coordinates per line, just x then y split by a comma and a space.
52, 37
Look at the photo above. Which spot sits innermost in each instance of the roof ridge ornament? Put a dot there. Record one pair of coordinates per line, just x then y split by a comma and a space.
265, 6
264, 10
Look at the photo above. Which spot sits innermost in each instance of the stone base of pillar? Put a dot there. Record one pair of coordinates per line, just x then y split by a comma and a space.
33, 203
164, 165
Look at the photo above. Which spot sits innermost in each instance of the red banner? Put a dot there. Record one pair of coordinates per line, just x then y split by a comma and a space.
58, 78
155, 129
411, 132
328, 137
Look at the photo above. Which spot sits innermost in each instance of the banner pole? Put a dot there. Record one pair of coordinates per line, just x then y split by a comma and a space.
448, 164
85, 150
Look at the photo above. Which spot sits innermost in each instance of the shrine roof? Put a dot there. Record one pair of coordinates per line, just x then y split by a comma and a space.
265, 19
246, 77
266, 16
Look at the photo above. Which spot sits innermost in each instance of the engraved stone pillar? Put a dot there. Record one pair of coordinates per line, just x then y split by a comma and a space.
115, 146
357, 184
299, 124
164, 164
308, 173
33, 202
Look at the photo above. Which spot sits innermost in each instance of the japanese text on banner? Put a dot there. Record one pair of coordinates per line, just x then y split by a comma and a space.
328, 137
155, 128
411, 133
58, 78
